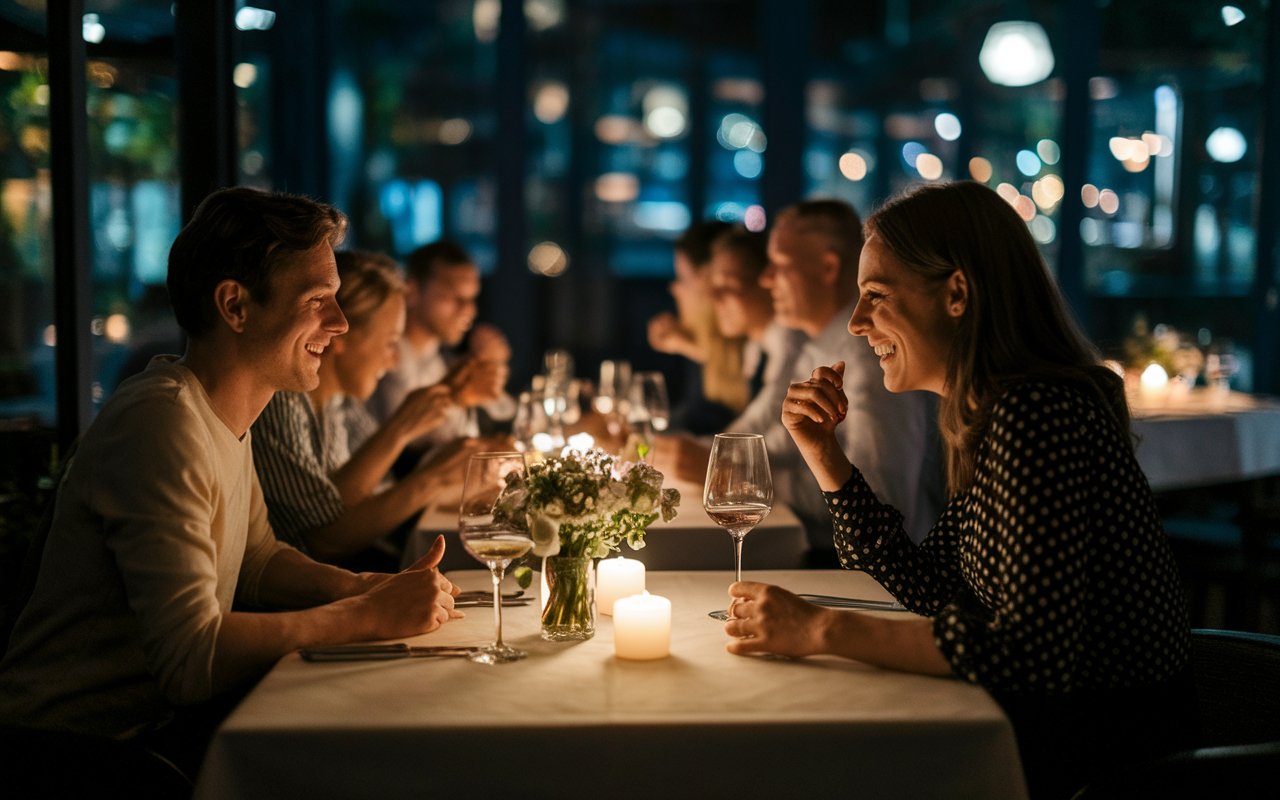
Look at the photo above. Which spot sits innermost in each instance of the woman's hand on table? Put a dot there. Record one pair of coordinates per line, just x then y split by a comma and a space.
769, 619
810, 413
417, 600
772, 620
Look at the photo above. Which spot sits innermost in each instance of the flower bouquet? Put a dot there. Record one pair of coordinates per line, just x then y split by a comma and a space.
577, 507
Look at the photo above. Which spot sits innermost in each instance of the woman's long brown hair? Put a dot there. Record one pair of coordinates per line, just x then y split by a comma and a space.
1016, 325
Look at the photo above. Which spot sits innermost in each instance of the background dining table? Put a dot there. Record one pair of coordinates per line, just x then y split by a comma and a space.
572, 720
1204, 437
690, 541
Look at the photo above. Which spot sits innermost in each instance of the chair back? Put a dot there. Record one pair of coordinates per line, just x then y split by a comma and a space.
1238, 687
26, 585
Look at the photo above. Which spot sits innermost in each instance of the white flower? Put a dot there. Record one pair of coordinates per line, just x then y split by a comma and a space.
546, 535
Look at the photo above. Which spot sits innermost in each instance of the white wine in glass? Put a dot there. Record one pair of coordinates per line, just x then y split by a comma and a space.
739, 490
493, 543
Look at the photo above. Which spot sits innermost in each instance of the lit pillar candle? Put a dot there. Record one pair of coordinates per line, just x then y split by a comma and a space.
615, 578
642, 627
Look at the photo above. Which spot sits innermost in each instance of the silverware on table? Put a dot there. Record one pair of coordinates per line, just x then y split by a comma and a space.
828, 601
487, 594
487, 602
383, 652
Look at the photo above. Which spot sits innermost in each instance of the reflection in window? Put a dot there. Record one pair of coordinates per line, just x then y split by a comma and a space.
27, 337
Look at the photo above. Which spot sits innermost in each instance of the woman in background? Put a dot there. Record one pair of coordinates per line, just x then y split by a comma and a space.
320, 456
716, 390
1048, 579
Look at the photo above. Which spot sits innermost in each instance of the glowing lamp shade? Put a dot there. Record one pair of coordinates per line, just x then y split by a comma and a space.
1226, 145
1016, 54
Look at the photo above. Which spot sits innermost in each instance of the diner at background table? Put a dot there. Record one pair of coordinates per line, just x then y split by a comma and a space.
691, 541
573, 720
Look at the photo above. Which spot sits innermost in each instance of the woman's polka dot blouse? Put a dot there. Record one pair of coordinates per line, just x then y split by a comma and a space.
1052, 573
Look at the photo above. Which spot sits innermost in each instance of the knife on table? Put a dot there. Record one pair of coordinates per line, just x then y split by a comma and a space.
851, 602
383, 652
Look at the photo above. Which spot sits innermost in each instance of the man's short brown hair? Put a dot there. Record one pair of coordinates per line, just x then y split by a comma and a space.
242, 234
751, 250
421, 265
838, 222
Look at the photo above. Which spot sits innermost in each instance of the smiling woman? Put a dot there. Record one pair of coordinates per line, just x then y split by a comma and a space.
1048, 579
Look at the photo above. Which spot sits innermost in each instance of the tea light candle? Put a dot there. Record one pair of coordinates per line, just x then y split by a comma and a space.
615, 578
642, 627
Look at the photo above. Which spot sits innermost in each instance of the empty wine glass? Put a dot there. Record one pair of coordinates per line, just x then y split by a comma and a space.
494, 543
739, 490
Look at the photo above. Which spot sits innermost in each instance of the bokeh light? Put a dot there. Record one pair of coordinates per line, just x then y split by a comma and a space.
1226, 145
1089, 195
1108, 201
947, 126
929, 166
980, 169
548, 259
1048, 151
1028, 163
551, 102
853, 166
617, 187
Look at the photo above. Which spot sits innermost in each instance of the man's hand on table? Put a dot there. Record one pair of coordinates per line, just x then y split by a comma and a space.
415, 601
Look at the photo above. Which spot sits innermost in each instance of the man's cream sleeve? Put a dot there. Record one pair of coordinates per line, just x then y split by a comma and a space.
155, 486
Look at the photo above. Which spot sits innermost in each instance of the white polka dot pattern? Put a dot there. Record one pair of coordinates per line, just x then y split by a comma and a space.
1052, 573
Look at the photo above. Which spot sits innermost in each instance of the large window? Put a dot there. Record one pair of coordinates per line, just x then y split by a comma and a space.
133, 200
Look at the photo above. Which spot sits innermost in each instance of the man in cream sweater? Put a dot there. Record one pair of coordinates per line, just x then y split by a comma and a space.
160, 525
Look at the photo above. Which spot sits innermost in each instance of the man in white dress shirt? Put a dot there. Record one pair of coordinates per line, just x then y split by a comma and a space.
443, 285
893, 438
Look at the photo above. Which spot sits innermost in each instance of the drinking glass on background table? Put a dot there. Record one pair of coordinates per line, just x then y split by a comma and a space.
739, 490
494, 544
648, 414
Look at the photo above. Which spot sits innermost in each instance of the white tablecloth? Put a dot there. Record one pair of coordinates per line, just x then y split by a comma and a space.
1205, 438
574, 721
690, 541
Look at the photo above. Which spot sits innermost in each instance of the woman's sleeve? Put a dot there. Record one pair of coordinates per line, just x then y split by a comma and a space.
300, 496
1031, 551
870, 537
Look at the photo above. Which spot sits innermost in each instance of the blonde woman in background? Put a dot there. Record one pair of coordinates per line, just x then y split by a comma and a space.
321, 458
716, 389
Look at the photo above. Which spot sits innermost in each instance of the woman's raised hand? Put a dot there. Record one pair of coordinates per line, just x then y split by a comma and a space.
424, 409
810, 413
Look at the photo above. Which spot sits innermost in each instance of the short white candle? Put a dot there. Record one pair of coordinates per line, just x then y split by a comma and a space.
642, 627
615, 578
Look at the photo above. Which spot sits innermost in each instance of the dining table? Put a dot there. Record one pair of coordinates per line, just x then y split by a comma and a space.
574, 720
690, 541
1204, 436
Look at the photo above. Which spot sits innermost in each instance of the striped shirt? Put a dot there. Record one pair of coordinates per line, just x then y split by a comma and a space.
295, 453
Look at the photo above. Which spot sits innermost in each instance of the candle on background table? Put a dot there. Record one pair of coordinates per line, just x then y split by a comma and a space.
642, 627
615, 578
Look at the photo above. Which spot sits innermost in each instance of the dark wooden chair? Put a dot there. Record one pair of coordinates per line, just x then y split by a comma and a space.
1238, 692
57, 764
54, 764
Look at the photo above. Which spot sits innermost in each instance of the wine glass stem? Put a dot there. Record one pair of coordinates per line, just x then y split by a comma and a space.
737, 554
498, 570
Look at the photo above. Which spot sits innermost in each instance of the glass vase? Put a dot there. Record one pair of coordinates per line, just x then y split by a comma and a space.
570, 612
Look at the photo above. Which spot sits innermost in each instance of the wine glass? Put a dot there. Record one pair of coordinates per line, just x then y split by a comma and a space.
739, 490
647, 414
496, 544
